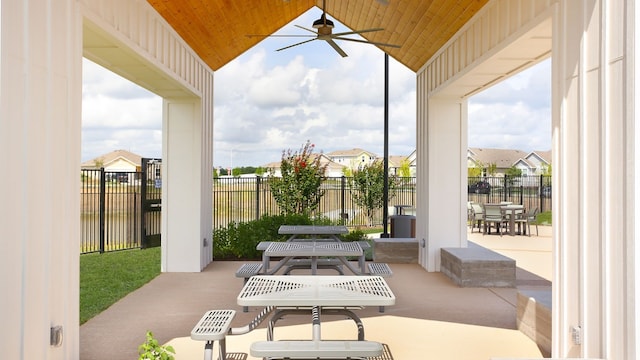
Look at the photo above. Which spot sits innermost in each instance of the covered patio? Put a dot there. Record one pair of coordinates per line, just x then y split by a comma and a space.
456, 48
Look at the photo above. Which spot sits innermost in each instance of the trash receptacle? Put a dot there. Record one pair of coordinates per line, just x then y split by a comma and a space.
403, 226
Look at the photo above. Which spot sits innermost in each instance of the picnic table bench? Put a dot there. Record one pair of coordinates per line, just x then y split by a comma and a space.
316, 292
316, 349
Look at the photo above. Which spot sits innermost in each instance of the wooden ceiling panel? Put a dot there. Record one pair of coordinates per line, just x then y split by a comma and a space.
217, 29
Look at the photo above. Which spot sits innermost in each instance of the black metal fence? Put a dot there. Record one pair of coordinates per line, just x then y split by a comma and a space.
248, 198
111, 202
530, 191
109, 210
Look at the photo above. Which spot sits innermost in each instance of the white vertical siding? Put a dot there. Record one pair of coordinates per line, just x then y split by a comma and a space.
40, 141
594, 278
487, 32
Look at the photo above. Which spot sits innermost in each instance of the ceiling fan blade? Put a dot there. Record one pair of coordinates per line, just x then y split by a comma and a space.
336, 47
357, 32
266, 36
300, 43
304, 28
367, 42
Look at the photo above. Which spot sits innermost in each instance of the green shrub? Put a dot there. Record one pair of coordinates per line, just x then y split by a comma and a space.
152, 350
239, 240
354, 235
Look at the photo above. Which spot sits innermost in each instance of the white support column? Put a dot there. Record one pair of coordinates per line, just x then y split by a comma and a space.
595, 150
632, 256
40, 121
182, 239
442, 126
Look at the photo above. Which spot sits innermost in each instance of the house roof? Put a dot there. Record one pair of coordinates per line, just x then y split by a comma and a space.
396, 160
217, 29
543, 155
111, 157
503, 158
351, 152
506, 158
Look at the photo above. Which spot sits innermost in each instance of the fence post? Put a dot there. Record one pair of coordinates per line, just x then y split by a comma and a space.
521, 191
506, 187
540, 197
103, 190
258, 179
343, 182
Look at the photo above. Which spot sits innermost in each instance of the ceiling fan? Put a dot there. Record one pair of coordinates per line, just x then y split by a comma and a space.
324, 32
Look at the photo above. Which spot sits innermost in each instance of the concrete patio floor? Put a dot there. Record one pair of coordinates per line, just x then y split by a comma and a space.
432, 318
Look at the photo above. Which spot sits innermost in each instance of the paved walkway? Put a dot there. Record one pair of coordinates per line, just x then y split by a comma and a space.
432, 318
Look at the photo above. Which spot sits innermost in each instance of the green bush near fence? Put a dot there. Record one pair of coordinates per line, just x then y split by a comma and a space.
238, 240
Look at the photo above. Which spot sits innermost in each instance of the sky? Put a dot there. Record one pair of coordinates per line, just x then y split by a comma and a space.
267, 101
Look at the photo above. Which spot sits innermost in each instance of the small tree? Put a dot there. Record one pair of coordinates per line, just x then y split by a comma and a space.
405, 168
513, 171
492, 169
298, 191
368, 186
474, 172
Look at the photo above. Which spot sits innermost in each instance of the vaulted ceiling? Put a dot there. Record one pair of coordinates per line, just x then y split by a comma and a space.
217, 29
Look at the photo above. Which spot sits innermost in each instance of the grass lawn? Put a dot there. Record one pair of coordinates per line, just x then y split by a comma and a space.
544, 218
106, 278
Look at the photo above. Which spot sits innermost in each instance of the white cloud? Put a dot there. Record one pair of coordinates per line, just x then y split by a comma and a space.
514, 114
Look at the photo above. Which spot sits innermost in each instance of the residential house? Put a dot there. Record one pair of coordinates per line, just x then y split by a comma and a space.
117, 161
530, 163
395, 163
412, 158
333, 169
353, 159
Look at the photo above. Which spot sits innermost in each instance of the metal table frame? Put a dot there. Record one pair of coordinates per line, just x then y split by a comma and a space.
312, 250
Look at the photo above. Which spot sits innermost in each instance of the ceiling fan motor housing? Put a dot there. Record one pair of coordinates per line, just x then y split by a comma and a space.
323, 22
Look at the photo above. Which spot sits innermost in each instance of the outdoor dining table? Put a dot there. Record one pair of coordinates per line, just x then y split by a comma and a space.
313, 250
316, 293
512, 211
328, 231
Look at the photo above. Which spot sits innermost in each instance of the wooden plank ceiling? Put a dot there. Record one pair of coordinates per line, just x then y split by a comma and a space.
217, 29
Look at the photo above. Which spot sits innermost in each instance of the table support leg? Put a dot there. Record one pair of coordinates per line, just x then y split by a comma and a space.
315, 321
330, 311
208, 350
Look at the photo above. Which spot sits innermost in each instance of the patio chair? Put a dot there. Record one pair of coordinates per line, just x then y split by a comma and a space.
475, 216
493, 214
530, 217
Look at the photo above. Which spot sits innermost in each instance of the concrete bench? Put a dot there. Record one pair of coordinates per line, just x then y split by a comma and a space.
316, 349
533, 317
213, 326
476, 266
395, 250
